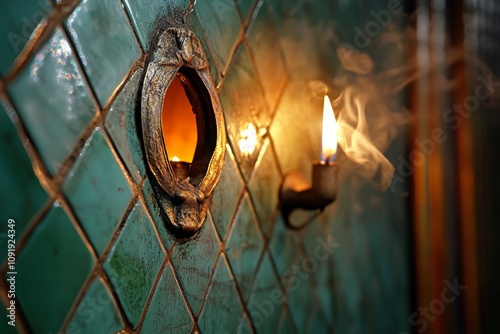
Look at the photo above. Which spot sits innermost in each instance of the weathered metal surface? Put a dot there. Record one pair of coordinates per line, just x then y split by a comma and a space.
184, 202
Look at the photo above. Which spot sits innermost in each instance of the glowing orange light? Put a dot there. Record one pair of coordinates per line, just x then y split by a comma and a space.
330, 130
176, 158
180, 131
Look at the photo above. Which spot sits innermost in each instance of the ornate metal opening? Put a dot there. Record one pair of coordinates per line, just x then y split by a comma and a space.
184, 201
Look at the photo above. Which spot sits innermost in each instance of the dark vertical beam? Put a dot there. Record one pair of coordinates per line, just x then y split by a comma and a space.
486, 140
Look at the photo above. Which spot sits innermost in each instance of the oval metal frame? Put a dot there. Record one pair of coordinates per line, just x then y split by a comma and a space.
183, 203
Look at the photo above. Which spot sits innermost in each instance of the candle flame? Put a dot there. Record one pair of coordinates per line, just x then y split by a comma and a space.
330, 130
176, 158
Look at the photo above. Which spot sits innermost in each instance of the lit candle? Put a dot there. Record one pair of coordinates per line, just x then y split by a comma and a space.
294, 191
181, 168
330, 130
325, 172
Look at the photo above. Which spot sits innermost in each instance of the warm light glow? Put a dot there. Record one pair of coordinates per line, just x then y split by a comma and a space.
330, 130
176, 158
179, 123
248, 140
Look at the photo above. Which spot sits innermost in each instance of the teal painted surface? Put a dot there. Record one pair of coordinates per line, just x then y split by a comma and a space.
221, 280
301, 36
265, 177
53, 101
168, 312
18, 21
213, 63
222, 26
226, 195
21, 192
134, 262
266, 299
222, 310
300, 298
193, 263
105, 42
98, 191
244, 246
121, 125
284, 326
96, 313
146, 15
154, 211
264, 42
55, 263
244, 7
244, 327
283, 247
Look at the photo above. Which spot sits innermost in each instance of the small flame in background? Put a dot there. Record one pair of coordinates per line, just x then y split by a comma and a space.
248, 140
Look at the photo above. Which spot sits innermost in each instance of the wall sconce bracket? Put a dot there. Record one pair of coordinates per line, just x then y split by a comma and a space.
296, 193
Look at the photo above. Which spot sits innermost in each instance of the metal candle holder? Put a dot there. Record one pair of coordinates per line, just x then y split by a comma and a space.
181, 169
296, 193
